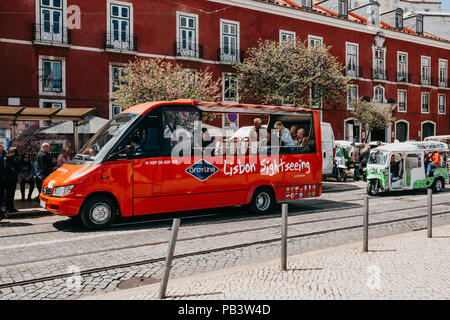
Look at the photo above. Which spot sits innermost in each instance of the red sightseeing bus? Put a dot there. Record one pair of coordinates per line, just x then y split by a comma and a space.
183, 155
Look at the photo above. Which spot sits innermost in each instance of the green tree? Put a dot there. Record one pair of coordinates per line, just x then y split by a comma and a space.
146, 80
280, 74
372, 115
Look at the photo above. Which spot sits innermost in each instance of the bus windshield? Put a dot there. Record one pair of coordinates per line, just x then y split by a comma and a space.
106, 136
378, 157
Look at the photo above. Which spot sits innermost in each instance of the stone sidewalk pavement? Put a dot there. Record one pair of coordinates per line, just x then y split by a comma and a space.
405, 266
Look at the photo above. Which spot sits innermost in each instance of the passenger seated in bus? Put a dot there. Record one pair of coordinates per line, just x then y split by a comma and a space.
300, 141
254, 132
284, 135
435, 159
293, 131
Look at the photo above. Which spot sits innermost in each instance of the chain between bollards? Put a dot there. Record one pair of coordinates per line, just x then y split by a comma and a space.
284, 218
169, 257
430, 214
366, 225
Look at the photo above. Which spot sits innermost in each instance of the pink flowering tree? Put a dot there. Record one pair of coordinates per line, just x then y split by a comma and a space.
147, 80
283, 73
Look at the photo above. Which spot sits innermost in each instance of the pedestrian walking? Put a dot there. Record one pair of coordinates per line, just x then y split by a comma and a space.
26, 176
364, 158
44, 166
2, 179
63, 157
12, 177
355, 160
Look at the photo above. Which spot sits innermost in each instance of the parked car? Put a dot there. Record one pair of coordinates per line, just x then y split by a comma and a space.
328, 149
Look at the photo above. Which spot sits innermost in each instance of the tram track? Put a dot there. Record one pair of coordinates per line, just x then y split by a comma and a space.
184, 217
219, 249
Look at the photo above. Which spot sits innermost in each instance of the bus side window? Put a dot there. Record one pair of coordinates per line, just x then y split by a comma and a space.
146, 140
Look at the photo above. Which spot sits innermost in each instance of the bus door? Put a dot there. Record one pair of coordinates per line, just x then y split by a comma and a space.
145, 141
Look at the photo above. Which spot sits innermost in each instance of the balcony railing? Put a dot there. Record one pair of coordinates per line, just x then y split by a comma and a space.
401, 106
443, 83
54, 34
403, 77
230, 55
379, 74
354, 73
426, 80
120, 42
188, 49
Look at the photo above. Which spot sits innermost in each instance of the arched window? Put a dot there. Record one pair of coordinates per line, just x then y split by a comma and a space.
401, 131
428, 129
378, 94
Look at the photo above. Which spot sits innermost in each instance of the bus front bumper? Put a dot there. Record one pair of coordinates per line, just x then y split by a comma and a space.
61, 206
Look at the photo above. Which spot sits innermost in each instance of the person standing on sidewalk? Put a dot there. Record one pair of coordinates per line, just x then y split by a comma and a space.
26, 176
355, 160
2, 178
44, 166
63, 157
12, 177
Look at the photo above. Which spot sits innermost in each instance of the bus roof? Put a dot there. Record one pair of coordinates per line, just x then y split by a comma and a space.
143, 108
414, 146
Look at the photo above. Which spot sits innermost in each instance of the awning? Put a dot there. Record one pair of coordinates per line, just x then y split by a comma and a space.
31, 113
91, 127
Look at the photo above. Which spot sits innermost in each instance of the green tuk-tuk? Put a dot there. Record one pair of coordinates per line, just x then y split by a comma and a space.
402, 166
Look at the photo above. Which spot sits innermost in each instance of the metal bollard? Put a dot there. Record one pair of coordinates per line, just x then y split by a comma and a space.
284, 219
366, 225
169, 257
430, 214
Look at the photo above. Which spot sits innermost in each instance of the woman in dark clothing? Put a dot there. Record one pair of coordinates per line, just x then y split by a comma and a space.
12, 169
26, 176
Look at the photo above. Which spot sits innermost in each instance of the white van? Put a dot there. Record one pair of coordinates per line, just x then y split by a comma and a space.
328, 149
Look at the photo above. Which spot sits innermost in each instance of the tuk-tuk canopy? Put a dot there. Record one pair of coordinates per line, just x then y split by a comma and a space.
414, 146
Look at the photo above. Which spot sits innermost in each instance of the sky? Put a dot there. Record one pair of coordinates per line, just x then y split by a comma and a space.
445, 5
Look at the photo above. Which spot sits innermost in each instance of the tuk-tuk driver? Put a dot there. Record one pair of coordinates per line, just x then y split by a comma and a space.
395, 167
435, 158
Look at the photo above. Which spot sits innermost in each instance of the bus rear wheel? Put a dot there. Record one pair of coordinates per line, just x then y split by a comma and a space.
98, 212
263, 201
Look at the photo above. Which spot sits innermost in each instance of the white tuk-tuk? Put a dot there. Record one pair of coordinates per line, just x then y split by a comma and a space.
401, 166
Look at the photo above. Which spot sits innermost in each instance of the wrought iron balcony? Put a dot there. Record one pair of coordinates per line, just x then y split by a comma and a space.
52, 34
403, 77
443, 82
188, 49
379, 74
230, 55
426, 80
358, 73
114, 41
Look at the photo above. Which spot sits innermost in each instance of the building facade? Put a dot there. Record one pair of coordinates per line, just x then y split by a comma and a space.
70, 53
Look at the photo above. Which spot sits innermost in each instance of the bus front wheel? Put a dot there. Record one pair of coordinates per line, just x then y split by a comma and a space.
263, 201
98, 212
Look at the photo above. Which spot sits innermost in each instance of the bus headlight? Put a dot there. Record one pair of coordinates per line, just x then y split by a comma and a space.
62, 191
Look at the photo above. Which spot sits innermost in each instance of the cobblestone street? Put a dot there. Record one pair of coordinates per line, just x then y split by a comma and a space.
41, 255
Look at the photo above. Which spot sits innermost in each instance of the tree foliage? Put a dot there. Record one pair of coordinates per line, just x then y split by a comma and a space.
372, 115
157, 80
275, 73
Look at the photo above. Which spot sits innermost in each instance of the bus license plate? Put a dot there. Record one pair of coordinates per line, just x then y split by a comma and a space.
43, 204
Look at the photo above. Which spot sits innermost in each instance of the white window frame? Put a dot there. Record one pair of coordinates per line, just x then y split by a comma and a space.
63, 22
229, 57
346, 133
119, 45
406, 100
443, 82
63, 76
422, 94
289, 34
445, 103
407, 128
424, 82
349, 96
399, 53
197, 48
111, 75
224, 75
383, 100
356, 72
46, 100
374, 59
312, 39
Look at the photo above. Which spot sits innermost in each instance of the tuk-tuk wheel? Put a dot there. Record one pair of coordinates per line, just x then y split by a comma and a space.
372, 188
438, 185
